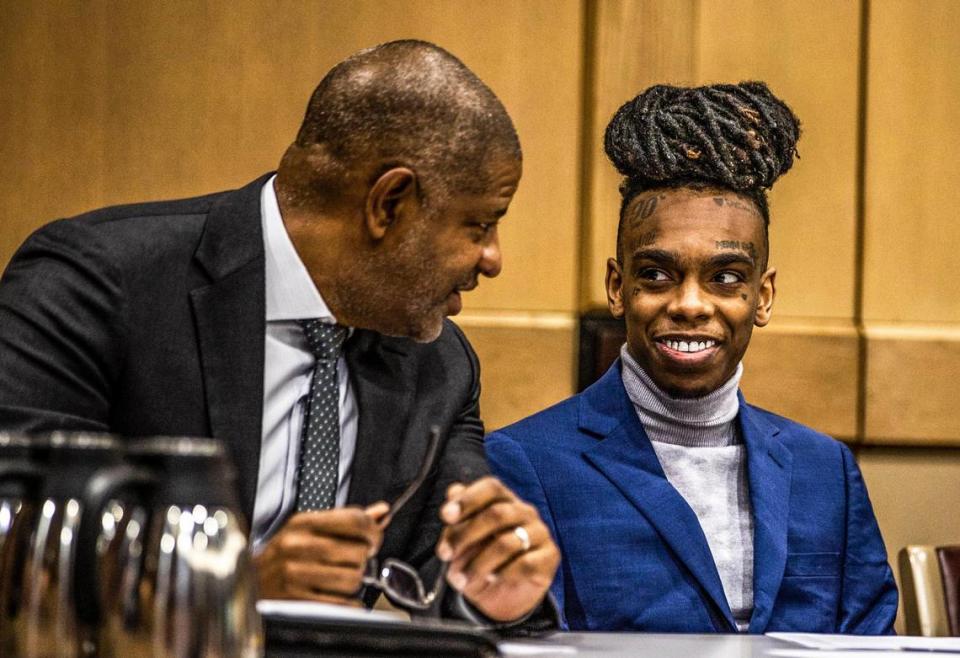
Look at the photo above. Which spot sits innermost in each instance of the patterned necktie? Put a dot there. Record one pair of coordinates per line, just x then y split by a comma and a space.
320, 445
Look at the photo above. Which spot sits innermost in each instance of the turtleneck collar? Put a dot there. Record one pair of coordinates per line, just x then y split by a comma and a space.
696, 422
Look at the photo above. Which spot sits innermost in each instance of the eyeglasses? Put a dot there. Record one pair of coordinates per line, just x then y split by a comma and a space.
400, 582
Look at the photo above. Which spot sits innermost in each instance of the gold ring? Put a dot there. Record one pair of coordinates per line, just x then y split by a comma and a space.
523, 536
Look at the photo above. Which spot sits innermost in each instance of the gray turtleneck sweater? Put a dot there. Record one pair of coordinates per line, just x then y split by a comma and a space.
702, 454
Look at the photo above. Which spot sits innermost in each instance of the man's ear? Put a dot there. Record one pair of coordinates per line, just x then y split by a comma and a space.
614, 283
768, 290
389, 196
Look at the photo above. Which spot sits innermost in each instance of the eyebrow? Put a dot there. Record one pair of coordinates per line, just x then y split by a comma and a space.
730, 258
661, 256
672, 258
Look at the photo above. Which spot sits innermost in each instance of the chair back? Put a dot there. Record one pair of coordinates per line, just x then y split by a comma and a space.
949, 559
930, 587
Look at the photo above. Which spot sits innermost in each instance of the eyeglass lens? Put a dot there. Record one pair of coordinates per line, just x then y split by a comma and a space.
402, 584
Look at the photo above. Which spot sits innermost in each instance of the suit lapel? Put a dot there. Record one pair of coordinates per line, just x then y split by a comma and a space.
230, 319
626, 457
381, 374
769, 469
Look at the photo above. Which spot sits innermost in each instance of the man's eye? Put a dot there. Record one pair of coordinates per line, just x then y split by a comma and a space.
653, 274
484, 229
728, 278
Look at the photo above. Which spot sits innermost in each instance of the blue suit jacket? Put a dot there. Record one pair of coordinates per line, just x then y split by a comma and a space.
634, 554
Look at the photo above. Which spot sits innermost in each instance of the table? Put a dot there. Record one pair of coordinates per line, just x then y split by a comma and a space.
654, 645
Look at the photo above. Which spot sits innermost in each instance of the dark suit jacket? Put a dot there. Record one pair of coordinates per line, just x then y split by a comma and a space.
149, 319
634, 556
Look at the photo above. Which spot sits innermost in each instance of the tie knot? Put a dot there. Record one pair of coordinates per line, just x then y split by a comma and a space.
324, 340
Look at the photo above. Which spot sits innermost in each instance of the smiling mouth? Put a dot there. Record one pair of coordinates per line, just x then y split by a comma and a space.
688, 346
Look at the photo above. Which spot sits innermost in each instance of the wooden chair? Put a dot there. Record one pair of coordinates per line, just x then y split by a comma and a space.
930, 587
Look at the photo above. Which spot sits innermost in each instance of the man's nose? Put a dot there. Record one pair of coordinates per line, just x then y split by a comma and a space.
691, 303
491, 260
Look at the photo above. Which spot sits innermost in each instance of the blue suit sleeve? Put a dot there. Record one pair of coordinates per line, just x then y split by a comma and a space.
869, 602
509, 462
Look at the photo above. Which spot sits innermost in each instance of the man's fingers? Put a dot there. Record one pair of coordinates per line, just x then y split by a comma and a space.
345, 522
323, 578
527, 575
318, 553
377, 511
306, 546
484, 565
482, 526
465, 501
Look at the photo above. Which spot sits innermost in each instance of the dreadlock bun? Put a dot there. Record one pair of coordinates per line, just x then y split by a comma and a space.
740, 137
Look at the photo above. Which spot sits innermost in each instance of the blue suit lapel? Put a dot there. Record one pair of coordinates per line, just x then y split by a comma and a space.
769, 469
626, 457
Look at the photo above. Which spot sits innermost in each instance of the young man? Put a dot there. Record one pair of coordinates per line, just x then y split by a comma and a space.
301, 319
677, 506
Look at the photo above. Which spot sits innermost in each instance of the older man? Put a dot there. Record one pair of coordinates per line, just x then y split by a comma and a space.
301, 319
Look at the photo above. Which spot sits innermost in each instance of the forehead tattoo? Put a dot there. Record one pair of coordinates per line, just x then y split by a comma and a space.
644, 240
747, 247
645, 208
736, 203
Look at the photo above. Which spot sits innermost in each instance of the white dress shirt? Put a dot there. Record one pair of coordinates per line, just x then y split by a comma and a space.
287, 370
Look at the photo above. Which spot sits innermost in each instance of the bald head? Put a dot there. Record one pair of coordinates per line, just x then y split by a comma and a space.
403, 103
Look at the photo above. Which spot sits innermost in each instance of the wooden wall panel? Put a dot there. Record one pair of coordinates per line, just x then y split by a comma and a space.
109, 102
51, 130
913, 142
806, 372
807, 51
912, 385
526, 363
911, 304
635, 44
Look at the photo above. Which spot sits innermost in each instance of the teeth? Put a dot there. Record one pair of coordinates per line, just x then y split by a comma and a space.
692, 346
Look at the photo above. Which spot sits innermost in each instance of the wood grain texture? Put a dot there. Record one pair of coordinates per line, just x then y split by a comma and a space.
912, 385
523, 368
109, 102
636, 43
807, 52
806, 372
913, 142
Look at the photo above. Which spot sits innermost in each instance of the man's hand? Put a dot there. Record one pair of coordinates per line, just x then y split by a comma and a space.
320, 556
489, 561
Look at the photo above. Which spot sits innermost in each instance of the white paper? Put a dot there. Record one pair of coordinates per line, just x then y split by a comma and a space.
827, 653
870, 642
534, 649
310, 610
